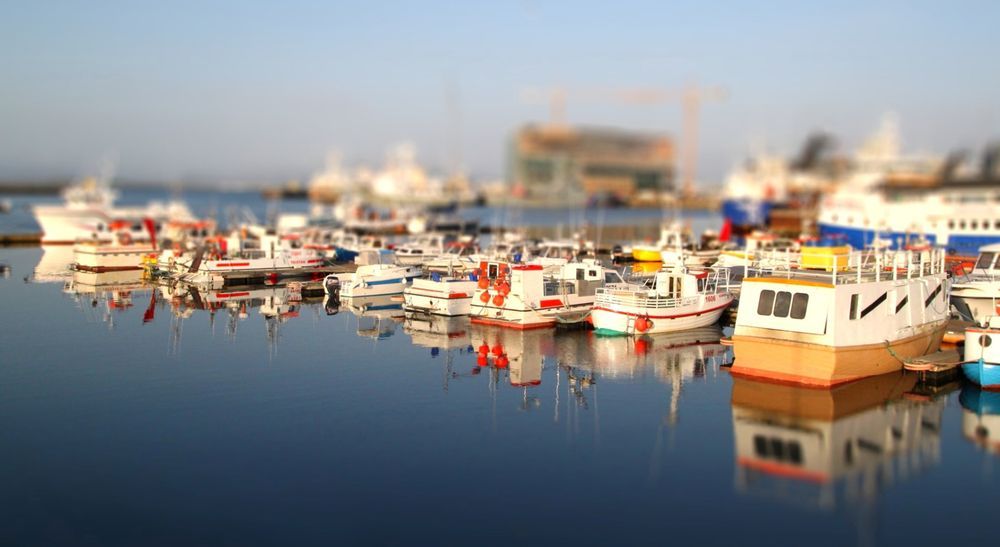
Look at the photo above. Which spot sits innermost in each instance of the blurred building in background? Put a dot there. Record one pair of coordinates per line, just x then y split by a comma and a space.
565, 165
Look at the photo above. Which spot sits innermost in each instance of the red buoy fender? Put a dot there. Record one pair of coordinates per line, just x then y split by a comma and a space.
484, 297
498, 300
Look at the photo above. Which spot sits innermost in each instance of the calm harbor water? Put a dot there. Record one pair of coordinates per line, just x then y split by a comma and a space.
133, 416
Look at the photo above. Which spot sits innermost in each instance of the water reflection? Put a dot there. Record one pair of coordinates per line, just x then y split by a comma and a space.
981, 418
377, 316
842, 446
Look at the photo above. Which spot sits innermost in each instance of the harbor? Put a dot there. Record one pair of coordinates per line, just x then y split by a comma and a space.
528, 273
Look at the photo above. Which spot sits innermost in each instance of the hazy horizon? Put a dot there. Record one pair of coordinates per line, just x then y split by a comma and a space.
258, 92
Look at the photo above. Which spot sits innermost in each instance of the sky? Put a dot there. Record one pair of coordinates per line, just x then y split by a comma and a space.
225, 92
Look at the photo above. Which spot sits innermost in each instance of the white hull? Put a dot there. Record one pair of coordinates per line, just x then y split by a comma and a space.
621, 319
105, 258
451, 298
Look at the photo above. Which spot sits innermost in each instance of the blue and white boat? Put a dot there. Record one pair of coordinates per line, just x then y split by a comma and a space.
981, 362
917, 200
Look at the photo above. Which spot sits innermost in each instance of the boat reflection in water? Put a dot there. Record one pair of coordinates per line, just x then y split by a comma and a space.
54, 265
824, 447
981, 417
104, 296
377, 315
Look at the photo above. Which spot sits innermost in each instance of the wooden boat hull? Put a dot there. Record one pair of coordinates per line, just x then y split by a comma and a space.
824, 366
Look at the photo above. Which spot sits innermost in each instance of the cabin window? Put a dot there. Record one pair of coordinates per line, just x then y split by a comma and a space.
579, 275
766, 303
996, 224
492, 271
799, 304
592, 274
782, 303
985, 261
962, 225
777, 449
975, 225
951, 224
854, 305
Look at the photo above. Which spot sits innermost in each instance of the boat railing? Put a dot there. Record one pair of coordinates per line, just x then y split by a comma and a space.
835, 268
642, 299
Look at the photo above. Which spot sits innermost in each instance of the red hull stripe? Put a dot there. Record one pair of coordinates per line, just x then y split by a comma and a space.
232, 264
726, 305
783, 470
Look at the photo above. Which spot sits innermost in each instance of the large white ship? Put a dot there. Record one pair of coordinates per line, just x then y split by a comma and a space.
933, 203
88, 209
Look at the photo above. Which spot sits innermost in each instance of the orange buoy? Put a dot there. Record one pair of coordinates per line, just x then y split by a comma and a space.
498, 300
642, 324
504, 288
483, 283
484, 297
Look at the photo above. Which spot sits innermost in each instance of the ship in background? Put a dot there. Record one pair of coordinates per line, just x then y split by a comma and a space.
771, 192
950, 203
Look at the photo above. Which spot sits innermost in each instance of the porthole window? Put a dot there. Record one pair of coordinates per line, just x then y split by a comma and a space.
975, 225
985, 340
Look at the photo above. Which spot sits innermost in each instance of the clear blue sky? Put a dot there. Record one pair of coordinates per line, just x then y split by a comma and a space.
251, 90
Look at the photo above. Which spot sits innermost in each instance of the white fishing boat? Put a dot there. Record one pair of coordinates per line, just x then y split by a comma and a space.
88, 209
103, 256
977, 293
825, 318
377, 279
676, 299
459, 258
527, 296
440, 295
259, 253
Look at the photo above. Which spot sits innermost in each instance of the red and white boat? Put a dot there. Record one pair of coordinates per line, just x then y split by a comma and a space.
676, 299
531, 296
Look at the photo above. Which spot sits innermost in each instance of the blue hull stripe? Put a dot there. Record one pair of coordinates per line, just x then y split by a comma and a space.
858, 238
385, 281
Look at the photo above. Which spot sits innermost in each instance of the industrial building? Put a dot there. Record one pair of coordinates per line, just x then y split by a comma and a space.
564, 165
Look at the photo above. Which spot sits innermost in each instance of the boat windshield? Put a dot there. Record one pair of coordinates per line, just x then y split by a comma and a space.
985, 261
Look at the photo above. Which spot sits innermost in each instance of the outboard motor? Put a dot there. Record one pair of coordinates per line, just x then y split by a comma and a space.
331, 284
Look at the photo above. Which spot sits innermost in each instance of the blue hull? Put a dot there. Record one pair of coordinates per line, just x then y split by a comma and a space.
985, 374
747, 212
957, 244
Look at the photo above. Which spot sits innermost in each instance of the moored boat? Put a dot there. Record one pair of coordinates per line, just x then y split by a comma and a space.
977, 293
440, 295
678, 299
822, 319
981, 362
527, 296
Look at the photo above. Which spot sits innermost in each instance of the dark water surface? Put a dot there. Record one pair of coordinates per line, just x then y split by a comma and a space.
247, 427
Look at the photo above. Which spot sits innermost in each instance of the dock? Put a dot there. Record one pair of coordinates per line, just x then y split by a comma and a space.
936, 368
20, 239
